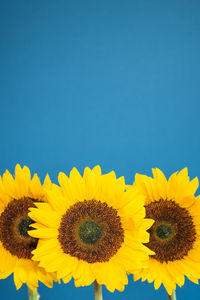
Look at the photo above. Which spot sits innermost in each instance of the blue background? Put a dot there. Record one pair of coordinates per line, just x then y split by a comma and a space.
114, 83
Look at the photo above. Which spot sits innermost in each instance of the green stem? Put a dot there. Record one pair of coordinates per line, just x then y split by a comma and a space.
33, 295
172, 296
97, 291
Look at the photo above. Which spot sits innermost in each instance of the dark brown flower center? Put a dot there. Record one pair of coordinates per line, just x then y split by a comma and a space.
14, 226
164, 231
91, 231
173, 233
24, 227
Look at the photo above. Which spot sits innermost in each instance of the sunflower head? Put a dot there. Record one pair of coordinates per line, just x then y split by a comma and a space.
17, 195
91, 229
175, 234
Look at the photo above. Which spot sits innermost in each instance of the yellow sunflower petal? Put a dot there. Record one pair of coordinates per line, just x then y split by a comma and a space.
47, 182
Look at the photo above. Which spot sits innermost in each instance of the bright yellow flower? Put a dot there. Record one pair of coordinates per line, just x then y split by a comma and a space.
91, 229
175, 235
16, 196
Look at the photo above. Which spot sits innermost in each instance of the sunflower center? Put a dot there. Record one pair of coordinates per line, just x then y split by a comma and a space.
14, 226
164, 231
90, 232
24, 226
173, 234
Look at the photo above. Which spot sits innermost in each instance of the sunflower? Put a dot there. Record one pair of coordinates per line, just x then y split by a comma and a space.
16, 196
175, 234
91, 229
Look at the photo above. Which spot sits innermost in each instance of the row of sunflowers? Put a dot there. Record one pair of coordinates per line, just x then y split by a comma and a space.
96, 229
